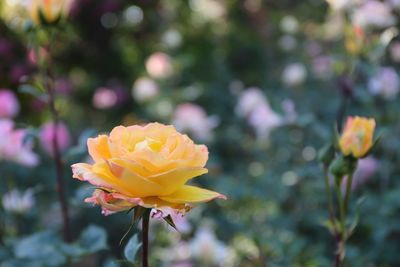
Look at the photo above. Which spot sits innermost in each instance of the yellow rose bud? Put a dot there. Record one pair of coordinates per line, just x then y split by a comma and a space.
146, 166
357, 136
48, 11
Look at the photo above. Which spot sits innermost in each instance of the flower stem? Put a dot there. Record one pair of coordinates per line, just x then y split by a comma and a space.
145, 238
341, 237
348, 191
56, 150
329, 195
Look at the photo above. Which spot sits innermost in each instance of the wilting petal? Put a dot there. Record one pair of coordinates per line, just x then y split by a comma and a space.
192, 194
108, 202
98, 148
172, 180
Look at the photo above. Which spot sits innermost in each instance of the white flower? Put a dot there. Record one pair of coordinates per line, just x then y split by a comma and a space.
249, 100
206, 248
294, 74
263, 119
385, 83
289, 24
145, 89
18, 202
373, 14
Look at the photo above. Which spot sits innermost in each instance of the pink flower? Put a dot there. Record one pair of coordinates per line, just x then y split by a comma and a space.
159, 65
395, 51
193, 119
47, 137
385, 82
104, 98
13, 147
366, 168
373, 14
9, 105
145, 89
263, 119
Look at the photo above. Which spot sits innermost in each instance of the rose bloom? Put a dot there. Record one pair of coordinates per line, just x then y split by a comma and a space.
145, 166
48, 10
192, 118
159, 65
47, 137
385, 82
18, 202
357, 136
9, 105
373, 14
13, 147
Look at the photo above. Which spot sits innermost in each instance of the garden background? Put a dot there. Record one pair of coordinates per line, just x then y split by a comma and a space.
261, 83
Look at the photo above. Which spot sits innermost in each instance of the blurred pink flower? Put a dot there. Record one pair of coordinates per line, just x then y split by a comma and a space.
249, 100
47, 136
18, 202
104, 98
145, 89
32, 56
18, 72
373, 14
366, 168
159, 65
395, 51
206, 248
9, 105
193, 119
322, 67
263, 119
385, 82
63, 86
13, 147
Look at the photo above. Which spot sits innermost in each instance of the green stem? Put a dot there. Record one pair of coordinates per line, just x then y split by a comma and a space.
329, 195
348, 192
342, 214
145, 238
341, 237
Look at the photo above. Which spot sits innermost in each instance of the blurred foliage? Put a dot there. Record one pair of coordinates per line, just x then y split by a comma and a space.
277, 205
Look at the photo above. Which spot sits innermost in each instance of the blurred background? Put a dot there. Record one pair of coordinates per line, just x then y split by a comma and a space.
260, 82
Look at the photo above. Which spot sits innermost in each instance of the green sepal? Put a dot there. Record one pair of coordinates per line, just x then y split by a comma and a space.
343, 165
171, 222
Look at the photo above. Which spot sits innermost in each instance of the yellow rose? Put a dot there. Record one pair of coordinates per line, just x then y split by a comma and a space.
146, 166
48, 10
357, 136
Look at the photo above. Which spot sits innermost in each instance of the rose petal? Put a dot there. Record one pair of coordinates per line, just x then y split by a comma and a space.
172, 180
131, 181
98, 148
192, 194
108, 202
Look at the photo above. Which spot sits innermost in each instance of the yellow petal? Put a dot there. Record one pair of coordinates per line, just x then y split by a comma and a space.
98, 148
137, 185
192, 194
172, 180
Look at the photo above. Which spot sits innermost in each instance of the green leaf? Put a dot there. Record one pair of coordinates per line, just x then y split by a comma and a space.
132, 248
41, 247
31, 90
93, 239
